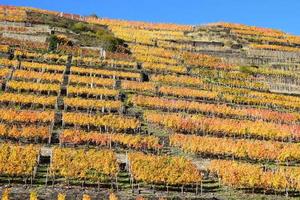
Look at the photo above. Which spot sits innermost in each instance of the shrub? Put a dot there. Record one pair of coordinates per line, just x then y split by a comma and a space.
53, 41
81, 27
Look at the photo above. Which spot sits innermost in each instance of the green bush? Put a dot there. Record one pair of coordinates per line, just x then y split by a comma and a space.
87, 34
247, 69
108, 41
94, 15
53, 41
81, 27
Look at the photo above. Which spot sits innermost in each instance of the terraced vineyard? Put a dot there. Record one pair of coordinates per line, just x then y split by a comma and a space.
171, 111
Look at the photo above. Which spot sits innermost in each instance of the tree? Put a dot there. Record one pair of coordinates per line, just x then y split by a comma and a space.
81, 27
94, 15
108, 41
53, 42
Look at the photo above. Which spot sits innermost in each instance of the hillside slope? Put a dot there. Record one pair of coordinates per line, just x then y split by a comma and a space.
119, 109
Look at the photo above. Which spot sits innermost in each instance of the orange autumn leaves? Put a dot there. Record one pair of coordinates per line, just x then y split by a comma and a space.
27, 132
44, 76
28, 99
238, 148
218, 126
216, 109
18, 160
106, 139
83, 164
245, 175
28, 116
115, 122
92, 104
163, 169
36, 87
35, 124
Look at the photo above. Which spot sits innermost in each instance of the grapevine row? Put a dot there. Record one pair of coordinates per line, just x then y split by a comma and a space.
92, 104
18, 160
92, 91
35, 87
243, 148
91, 80
214, 109
106, 139
32, 75
196, 124
27, 99
115, 122
28, 116
163, 169
244, 175
106, 73
83, 164
26, 132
